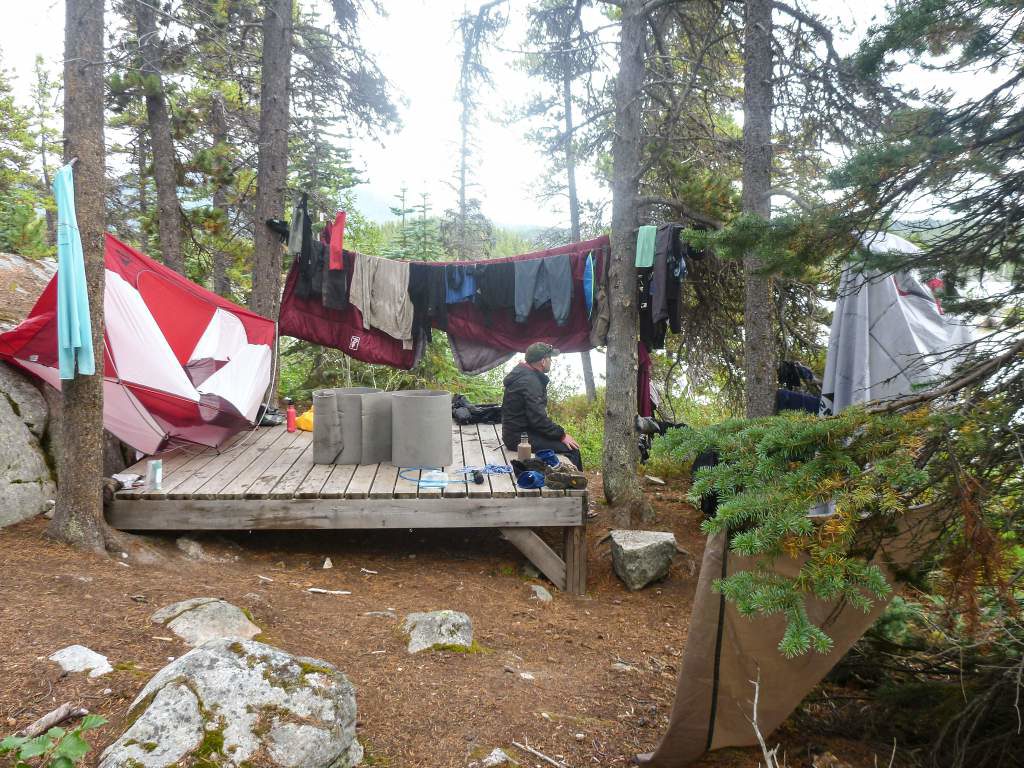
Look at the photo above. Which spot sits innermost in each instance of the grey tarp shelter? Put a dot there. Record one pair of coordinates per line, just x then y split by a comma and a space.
889, 337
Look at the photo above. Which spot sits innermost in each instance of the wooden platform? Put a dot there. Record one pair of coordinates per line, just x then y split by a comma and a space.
266, 480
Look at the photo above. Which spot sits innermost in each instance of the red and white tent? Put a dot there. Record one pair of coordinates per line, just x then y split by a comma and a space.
180, 363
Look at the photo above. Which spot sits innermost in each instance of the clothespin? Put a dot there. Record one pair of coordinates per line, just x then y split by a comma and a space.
72, 161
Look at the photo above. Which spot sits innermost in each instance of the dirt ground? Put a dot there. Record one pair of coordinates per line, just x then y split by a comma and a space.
436, 709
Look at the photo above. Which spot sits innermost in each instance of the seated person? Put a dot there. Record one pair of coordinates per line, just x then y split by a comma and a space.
524, 407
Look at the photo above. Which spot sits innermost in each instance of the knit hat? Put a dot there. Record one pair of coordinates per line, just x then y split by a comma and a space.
538, 351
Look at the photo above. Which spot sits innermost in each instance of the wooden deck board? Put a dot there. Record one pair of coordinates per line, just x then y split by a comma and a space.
289, 482
314, 480
362, 481
237, 487
503, 486
342, 514
266, 479
473, 453
456, 487
229, 462
384, 482
338, 478
408, 486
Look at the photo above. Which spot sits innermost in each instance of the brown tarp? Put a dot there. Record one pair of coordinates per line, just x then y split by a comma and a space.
714, 695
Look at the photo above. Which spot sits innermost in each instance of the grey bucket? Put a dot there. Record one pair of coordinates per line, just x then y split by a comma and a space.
338, 425
421, 428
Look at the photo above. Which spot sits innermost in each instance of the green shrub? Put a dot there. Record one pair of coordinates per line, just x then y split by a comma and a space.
57, 748
584, 420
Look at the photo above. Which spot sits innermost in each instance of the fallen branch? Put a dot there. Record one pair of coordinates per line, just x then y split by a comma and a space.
771, 756
65, 711
539, 755
318, 591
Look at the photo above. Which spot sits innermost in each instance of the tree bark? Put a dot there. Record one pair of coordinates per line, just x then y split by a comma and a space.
621, 486
78, 517
758, 346
272, 163
574, 212
164, 160
51, 215
140, 157
221, 283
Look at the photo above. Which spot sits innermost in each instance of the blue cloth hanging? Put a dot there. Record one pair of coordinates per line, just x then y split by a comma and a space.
74, 328
588, 283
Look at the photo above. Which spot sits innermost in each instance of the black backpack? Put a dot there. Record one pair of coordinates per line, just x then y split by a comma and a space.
465, 412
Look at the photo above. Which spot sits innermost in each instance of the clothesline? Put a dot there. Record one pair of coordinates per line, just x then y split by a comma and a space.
383, 311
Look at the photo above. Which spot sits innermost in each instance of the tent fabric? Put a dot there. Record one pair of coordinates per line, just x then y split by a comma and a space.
180, 363
726, 651
888, 338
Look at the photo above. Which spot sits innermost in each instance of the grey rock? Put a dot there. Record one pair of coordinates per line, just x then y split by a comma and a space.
381, 614
438, 628
194, 550
201, 619
25, 482
540, 593
640, 557
288, 711
529, 570
27, 400
78, 658
497, 757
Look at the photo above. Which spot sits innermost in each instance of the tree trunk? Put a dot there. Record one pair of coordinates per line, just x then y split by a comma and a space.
621, 486
51, 215
78, 517
574, 212
272, 164
758, 346
140, 157
164, 166
221, 283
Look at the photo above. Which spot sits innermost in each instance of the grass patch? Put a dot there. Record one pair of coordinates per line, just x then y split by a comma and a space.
474, 648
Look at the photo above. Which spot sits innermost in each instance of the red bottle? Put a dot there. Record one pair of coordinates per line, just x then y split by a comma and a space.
291, 416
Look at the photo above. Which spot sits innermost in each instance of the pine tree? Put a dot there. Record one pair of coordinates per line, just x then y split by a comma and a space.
466, 230
565, 55
165, 160
78, 515
21, 229
44, 111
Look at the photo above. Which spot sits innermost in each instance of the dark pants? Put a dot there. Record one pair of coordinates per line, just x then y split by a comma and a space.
538, 443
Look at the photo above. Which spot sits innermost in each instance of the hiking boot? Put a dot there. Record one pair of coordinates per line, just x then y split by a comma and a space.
537, 465
560, 480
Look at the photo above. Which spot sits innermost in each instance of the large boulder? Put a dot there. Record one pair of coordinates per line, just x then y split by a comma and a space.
640, 557
26, 486
240, 702
201, 619
22, 280
443, 630
24, 398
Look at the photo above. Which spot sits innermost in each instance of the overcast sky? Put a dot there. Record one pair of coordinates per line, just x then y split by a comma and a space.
417, 48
